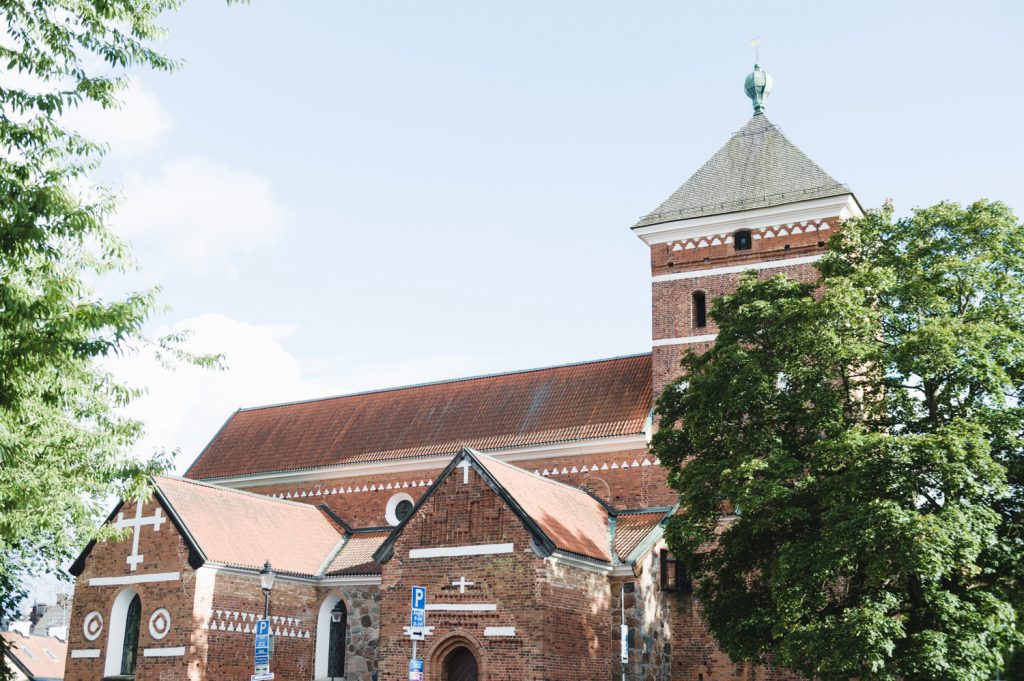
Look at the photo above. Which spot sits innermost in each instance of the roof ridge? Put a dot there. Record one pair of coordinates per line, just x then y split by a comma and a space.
223, 488
539, 477
445, 381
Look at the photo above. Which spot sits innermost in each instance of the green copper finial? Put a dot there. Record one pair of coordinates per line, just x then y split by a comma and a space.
758, 85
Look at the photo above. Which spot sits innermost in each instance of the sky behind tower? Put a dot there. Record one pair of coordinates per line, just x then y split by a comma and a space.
349, 195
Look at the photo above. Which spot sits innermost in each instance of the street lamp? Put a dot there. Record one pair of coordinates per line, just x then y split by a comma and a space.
267, 576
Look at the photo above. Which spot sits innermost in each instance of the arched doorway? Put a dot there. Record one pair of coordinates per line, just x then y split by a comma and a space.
460, 665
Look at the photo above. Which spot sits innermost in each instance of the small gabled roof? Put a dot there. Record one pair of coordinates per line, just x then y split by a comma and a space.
234, 528
356, 556
559, 516
632, 528
40, 658
757, 168
241, 529
597, 399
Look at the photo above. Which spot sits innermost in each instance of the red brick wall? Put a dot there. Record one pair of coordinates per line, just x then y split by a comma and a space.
163, 551
672, 301
559, 614
632, 486
213, 615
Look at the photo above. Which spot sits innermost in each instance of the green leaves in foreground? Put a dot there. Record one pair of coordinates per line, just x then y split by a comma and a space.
869, 432
64, 445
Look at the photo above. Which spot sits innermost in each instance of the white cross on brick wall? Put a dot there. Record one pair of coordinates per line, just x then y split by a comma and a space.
462, 584
136, 523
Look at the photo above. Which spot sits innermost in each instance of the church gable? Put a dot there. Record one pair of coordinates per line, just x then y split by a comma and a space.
141, 585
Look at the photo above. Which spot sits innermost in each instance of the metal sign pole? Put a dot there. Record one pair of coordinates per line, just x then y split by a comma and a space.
624, 653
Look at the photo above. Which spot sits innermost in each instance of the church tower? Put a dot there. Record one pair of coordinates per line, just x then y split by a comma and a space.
758, 204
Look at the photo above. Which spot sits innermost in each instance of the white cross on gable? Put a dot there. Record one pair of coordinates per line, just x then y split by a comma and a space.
464, 465
136, 523
462, 584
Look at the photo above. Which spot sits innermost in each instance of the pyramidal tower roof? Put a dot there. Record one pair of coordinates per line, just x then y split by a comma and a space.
757, 168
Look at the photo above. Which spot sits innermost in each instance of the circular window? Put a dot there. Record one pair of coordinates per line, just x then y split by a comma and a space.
399, 508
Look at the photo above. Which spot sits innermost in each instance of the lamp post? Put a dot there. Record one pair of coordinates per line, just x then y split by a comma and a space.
267, 576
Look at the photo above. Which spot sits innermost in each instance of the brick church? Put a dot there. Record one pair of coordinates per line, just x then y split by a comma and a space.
526, 503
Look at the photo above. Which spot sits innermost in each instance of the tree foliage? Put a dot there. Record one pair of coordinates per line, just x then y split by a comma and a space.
867, 433
64, 445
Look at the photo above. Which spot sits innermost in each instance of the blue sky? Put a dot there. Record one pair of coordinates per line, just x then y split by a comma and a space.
349, 195
346, 195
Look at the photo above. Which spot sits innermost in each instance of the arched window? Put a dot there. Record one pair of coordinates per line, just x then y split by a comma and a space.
742, 240
336, 646
331, 639
123, 636
700, 309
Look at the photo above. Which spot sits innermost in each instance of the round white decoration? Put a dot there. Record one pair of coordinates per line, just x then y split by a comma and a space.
390, 513
92, 626
159, 623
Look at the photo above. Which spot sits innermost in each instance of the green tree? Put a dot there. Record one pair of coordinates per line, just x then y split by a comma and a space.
867, 434
64, 445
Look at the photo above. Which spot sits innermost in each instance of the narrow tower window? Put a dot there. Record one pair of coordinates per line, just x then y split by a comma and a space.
700, 309
742, 240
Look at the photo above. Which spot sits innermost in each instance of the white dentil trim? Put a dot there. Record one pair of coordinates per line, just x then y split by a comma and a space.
843, 206
470, 550
733, 269
364, 469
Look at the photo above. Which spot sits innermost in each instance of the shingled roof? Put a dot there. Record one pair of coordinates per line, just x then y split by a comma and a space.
571, 402
39, 658
757, 168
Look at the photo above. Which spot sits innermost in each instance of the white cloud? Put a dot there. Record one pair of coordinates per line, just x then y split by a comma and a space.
198, 212
137, 125
185, 408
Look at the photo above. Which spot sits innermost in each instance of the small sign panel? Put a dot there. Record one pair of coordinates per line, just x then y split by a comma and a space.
263, 646
418, 617
624, 645
262, 677
416, 670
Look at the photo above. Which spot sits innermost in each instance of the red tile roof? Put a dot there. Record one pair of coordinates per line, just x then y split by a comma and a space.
356, 557
42, 656
633, 528
572, 402
575, 521
241, 529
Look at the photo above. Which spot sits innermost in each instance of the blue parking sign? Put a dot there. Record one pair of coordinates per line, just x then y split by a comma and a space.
419, 607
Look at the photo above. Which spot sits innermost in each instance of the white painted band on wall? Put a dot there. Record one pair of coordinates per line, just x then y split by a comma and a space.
462, 607
733, 269
164, 652
658, 342
471, 550
85, 652
500, 631
136, 579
